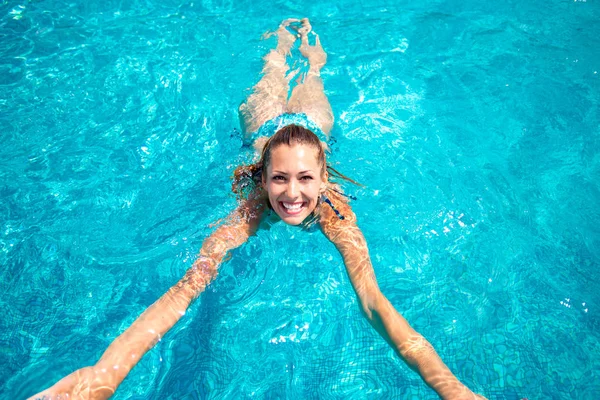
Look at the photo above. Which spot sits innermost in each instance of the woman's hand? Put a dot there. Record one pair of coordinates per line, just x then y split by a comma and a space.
101, 380
468, 395
413, 348
84, 384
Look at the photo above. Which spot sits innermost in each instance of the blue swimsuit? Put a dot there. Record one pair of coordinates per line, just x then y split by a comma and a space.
269, 128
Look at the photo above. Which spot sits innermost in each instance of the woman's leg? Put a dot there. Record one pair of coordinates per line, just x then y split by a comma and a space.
308, 96
269, 95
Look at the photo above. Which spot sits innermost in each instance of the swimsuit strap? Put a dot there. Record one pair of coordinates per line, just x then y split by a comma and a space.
326, 200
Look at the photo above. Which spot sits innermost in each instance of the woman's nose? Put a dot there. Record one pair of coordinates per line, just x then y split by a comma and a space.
292, 189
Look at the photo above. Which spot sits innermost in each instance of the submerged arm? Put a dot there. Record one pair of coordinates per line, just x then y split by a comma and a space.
413, 348
101, 380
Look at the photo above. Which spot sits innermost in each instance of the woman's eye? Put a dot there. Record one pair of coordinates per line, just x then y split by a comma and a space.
278, 178
307, 178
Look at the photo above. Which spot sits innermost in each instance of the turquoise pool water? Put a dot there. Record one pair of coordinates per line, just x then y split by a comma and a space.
475, 126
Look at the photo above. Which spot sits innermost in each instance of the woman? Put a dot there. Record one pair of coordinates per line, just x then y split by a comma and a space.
291, 180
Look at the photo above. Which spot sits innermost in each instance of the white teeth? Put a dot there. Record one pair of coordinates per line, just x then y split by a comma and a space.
291, 206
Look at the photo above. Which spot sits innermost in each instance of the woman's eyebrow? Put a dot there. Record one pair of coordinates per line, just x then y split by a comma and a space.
299, 173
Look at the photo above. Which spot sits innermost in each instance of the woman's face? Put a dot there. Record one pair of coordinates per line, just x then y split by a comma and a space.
294, 182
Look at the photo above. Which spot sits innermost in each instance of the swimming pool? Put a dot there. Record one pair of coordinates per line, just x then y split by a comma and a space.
475, 127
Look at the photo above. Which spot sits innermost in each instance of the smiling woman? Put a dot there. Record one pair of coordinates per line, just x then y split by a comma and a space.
294, 181
291, 178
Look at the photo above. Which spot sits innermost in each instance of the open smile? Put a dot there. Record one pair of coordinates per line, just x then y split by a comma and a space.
292, 208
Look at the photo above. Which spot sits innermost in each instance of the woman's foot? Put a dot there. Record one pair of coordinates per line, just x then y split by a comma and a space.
304, 28
315, 55
285, 38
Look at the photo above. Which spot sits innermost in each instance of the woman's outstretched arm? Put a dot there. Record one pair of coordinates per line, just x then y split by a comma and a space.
102, 379
414, 349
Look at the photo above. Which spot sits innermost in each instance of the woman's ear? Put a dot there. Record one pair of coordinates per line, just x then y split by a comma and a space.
324, 183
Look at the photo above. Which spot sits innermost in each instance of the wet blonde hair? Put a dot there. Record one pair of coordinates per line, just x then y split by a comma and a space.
247, 177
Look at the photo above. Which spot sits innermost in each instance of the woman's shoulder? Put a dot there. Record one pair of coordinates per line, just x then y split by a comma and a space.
246, 181
336, 214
